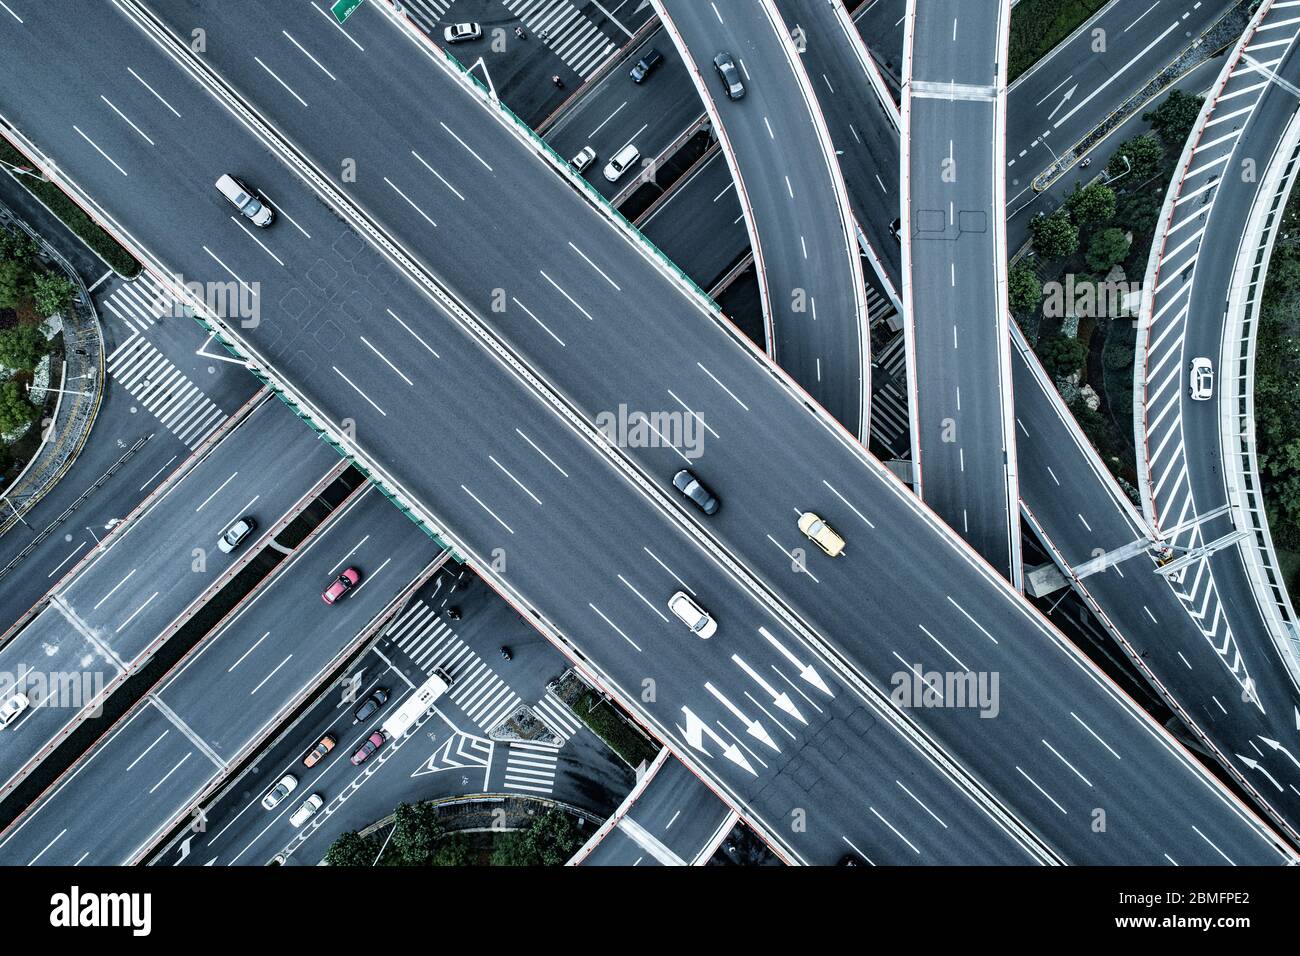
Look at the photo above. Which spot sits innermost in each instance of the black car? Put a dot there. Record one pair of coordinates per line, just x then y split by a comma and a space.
692, 488
378, 697
647, 63
726, 68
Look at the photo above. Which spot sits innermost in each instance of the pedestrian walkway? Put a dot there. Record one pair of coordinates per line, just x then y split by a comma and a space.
569, 35
531, 767
178, 404
558, 717
430, 643
139, 304
425, 14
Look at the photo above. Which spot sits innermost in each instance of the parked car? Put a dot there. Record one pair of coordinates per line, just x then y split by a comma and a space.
378, 697
822, 534
288, 783
585, 157
344, 583
305, 810
235, 535
13, 705
1201, 379
623, 160
460, 32
694, 489
730, 75
692, 615
648, 62
373, 743
317, 753
249, 206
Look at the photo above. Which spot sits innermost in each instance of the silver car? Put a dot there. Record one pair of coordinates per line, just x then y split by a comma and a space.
235, 535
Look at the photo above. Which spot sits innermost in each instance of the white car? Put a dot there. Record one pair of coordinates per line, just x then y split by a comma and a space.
692, 615
459, 32
585, 157
14, 705
305, 810
288, 783
623, 160
1201, 379
236, 533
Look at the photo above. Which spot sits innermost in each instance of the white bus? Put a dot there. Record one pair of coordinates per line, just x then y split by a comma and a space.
416, 705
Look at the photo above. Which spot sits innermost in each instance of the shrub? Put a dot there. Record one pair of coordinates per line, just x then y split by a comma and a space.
52, 292
1054, 236
1063, 357
1023, 290
23, 347
1174, 118
1091, 204
1107, 248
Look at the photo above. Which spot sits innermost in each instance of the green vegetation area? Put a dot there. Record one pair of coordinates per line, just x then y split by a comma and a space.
28, 294
1039, 25
104, 245
1079, 328
417, 838
612, 726
1277, 395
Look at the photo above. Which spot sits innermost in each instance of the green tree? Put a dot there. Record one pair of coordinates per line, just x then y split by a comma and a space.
15, 282
52, 292
1023, 290
509, 849
1174, 118
22, 346
552, 838
1091, 204
1143, 154
1054, 236
349, 849
16, 246
416, 832
1063, 357
15, 410
1107, 248
454, 851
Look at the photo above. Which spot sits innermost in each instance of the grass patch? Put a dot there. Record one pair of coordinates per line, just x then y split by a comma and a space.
104, 245
1039, 25
607, 721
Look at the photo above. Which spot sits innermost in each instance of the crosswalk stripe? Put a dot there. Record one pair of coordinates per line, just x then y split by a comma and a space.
166, 392
569, 34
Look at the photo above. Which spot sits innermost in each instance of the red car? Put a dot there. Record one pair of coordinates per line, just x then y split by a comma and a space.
373, 743
342, 584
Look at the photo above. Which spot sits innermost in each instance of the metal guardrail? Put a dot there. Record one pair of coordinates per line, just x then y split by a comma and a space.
1237, 403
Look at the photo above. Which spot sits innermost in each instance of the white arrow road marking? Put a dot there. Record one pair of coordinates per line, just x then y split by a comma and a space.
695, 729
781, 699
1256, 765
1276, 745
753, 727
1064, 99
806, 671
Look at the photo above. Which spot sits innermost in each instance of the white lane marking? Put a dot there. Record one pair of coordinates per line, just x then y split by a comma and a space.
521, 485
943, 648
358, 391
671, 572
439, 175
1041, 790
290, 89
572, 301
487, 509
257, 240
1066, 762
723, 387
850, 506
613, 625
410, 202
384, 358
127, 119
97, 149
412, 333
544, 326
972, 620
339, 27
465, 144
596, 267
115, 587
215, 493
154, 92
309, 56
628, 584
542, 453
250, 650
1079, 720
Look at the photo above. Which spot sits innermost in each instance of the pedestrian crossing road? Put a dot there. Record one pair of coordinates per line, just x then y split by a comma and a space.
531, 767
167, 392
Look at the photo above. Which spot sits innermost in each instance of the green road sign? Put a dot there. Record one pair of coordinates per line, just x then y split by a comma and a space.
342, 9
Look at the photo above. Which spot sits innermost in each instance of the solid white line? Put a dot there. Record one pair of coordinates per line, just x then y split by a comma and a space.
1095, 737
629, 586
97, 149
538, 321
256, 240
572, 301
248, 287
280, 81
358, 391
972, 620
896, 833
671, 572
383, 358
943, 648
247, 652
487, 509
263, 681
339, 27
439, 175
215, 493
126, 119
136, 612
11, 13
308, 55
153, 91
413, 335
466, 145
1041, 790
115, 587
1066, 762
411, 202
846, 501
542, 453
920, 804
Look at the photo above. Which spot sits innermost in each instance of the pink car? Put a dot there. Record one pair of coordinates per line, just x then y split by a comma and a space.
342, 584
373, 743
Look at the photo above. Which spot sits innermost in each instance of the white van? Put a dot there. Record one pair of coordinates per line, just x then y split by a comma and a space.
305, 810
623, 160
252, 208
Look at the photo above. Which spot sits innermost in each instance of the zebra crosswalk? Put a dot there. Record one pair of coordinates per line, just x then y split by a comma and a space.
476, 689
531, 767
558, 717
570, 35
426, 14
140, 303
178, 404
